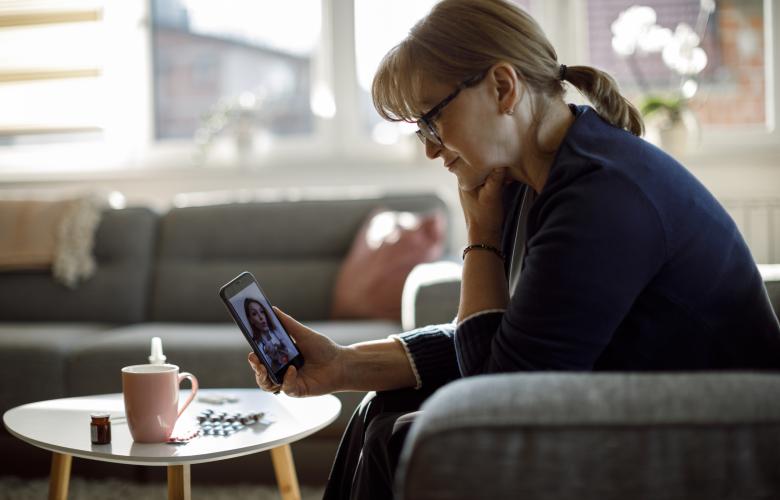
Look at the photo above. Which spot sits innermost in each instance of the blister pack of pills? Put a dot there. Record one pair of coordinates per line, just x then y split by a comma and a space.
224, 424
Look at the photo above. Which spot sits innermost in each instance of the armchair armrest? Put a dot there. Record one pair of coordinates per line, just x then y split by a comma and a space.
431, 294
771, 276
596, 436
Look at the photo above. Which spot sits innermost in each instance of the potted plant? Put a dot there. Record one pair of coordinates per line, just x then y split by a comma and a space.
669, 120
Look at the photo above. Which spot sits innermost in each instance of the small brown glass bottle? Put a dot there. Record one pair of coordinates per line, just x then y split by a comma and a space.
100, 428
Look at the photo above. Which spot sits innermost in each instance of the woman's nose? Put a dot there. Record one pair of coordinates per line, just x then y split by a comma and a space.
432, 149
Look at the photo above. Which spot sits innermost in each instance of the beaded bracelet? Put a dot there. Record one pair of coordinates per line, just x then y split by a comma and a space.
481, 246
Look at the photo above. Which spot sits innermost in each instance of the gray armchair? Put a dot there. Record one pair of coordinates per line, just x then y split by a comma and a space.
597, 435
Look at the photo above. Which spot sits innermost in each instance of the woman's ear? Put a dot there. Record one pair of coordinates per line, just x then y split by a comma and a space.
509, 89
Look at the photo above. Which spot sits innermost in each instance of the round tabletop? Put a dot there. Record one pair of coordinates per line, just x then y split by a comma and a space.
63, 426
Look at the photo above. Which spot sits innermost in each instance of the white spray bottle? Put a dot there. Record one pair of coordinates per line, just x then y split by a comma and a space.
156, 356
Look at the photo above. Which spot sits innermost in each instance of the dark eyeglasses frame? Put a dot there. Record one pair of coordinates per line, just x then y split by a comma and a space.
426, 130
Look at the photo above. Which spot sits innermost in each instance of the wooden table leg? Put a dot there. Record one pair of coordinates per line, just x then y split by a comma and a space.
285, 472
59, 479
179, 482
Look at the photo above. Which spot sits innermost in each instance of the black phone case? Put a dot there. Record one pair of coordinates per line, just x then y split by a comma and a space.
240, 282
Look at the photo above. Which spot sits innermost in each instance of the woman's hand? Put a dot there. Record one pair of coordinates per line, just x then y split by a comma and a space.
323, 368
484, 284
483, 209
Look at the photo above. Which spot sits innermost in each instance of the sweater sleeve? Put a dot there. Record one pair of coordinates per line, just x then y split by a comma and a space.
431, 352
597, 243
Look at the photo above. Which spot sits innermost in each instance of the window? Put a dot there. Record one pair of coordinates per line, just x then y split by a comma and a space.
240, 64
729, 91
379, 26
142, 83
51, 72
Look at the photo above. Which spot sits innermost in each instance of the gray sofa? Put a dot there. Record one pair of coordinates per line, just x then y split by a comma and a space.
555, 436
158, 275
599, 436
547, 435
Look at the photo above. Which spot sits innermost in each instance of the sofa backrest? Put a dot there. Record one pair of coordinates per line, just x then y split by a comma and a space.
116, 293
293, 248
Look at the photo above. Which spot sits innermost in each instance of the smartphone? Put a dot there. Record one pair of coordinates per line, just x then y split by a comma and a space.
251, 310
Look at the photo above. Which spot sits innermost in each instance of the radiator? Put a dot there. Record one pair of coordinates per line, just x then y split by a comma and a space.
759, 222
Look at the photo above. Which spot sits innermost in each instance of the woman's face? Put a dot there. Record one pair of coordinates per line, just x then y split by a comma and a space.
477, 133
257, 317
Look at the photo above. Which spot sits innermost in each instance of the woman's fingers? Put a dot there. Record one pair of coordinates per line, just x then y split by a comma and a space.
261, 375
283, 316
499, 175
483, 210
290, 382
289, 323
493, 186
494, 183
252, 359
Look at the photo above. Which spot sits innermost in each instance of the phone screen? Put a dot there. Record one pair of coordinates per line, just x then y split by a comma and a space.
265, 331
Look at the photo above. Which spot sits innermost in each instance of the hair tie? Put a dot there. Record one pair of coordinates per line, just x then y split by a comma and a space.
562, 72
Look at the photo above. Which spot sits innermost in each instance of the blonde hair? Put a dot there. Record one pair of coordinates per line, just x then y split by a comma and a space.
461, 38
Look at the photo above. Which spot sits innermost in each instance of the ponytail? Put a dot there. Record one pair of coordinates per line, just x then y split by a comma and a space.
602, 91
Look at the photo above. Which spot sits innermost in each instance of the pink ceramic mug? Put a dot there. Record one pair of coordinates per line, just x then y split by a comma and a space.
152, 400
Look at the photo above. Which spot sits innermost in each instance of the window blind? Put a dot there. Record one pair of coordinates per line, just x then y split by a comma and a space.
51, 61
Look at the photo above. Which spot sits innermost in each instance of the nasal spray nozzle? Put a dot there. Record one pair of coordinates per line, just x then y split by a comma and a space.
157, 357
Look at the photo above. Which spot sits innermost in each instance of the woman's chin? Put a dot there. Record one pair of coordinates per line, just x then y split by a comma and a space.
470, 184
465, 187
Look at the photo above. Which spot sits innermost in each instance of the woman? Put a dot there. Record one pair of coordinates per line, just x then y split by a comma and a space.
589, 249
263, 335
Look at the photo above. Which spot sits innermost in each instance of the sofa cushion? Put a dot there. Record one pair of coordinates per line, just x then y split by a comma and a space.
383, 253
117, 293
33, 356
293, 248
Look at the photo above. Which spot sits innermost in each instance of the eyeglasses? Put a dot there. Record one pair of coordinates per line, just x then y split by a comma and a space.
426, 129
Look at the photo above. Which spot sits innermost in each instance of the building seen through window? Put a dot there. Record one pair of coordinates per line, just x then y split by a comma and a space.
220, 63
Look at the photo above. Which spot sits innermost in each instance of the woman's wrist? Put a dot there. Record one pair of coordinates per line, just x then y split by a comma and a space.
342, 363
377, 365
484, 284
484, 238
482, 247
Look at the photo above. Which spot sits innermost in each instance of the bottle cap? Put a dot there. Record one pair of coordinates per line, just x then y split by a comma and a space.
157, 357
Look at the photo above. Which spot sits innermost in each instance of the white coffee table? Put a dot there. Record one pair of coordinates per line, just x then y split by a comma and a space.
62, 426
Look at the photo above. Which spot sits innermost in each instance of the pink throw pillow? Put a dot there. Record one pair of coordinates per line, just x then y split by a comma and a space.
386, 249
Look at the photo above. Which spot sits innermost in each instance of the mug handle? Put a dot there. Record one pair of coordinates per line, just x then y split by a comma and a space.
194, 383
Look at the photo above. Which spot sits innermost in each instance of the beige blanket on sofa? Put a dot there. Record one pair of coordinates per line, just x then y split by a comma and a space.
59, 235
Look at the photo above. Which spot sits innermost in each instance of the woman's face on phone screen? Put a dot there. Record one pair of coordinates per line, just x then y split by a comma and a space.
257, 318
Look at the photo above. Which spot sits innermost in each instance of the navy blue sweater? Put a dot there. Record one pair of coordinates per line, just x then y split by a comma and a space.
630, 264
